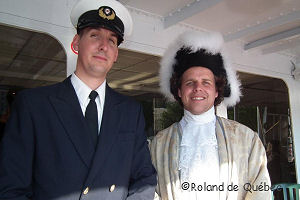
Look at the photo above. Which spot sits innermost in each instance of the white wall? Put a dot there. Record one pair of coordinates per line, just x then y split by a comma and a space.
52, 17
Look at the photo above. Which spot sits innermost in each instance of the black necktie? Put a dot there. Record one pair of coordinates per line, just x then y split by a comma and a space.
91, 115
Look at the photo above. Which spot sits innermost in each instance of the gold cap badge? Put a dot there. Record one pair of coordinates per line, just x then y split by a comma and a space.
107, 13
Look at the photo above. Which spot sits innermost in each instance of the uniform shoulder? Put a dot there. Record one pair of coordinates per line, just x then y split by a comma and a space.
129, 100
39, 91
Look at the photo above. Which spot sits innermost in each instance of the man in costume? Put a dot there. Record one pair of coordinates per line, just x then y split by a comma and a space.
79, 139
204, 156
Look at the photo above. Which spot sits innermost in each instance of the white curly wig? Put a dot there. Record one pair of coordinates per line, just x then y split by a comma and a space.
212, 43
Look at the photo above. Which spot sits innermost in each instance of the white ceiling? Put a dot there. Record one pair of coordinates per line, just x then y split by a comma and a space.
271, 25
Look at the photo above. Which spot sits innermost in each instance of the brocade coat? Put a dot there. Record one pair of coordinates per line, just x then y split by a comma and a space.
242, 160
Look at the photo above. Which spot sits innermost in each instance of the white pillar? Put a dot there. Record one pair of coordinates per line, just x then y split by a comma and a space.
294, 97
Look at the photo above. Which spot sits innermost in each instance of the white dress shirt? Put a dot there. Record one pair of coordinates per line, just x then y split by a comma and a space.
83, 91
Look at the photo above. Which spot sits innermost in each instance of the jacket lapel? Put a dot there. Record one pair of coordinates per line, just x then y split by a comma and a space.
68, 109
225, 165
108, 133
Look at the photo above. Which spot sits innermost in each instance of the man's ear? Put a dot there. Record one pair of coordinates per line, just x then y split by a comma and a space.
116, 56
179, 92
75, 42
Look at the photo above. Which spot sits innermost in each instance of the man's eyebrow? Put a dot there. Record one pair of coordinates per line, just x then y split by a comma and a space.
190, 79
114, 35
207, 79
193, 79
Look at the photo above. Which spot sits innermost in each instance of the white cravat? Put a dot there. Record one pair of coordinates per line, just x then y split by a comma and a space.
199, 158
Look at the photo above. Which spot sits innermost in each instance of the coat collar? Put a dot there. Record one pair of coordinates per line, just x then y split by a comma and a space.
68, 109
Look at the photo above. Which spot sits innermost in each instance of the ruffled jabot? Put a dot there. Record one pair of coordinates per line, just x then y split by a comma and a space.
198, 151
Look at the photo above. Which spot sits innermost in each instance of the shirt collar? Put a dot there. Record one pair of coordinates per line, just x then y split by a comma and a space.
203, 118
83, 91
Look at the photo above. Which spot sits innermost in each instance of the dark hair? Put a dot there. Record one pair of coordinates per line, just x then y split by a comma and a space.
221, 84
175, 84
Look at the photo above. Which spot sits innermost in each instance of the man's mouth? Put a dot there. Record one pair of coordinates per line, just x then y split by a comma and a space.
198, 98
100, 58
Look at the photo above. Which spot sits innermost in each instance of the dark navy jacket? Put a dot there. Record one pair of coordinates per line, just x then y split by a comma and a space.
46, 152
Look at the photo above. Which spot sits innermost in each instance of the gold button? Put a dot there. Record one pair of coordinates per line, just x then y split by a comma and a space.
112, 188
86, 190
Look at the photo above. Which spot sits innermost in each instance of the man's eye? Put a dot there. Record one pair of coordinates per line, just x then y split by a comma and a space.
113, 41
206, 83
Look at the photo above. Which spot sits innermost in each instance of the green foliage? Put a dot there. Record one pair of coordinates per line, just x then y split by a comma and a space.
173, 113
247, 115
230, 113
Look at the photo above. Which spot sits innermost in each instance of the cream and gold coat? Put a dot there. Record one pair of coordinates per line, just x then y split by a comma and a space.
242, 161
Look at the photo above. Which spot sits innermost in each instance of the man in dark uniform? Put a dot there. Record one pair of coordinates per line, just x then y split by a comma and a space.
79, 139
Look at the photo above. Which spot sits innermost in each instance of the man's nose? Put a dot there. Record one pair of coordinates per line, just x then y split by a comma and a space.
197, 87
103, 44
